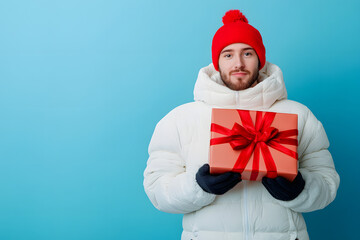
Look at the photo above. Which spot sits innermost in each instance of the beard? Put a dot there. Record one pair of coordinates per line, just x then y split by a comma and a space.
240, 84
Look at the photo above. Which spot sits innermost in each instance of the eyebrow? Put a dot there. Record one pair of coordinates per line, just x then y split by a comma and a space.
231, 50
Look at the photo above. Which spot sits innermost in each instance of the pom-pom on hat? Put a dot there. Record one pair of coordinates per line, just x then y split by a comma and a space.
236, 29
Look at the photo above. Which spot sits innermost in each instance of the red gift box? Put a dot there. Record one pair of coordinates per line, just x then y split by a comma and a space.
254, 143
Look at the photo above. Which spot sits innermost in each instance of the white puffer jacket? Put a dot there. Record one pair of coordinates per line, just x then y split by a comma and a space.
180, 145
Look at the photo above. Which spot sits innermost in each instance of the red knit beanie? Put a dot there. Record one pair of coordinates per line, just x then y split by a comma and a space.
236, 29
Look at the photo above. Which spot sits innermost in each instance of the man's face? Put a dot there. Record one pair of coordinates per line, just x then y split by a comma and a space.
239, 66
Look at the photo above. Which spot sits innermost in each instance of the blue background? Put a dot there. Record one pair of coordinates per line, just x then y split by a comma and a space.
83, 84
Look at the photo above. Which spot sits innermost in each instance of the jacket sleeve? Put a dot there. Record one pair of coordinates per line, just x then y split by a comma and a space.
317, 168
167, 182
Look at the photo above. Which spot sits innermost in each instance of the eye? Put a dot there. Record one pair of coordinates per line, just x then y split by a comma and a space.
227, 55
247, 54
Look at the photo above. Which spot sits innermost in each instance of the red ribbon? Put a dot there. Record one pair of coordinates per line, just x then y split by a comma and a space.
249, 138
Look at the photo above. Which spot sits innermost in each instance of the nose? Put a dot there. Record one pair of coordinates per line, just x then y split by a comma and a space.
239, 63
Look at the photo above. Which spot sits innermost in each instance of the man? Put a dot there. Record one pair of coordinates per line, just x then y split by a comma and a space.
177, 178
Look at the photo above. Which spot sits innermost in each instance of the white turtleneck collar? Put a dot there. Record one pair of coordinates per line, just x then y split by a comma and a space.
209, 88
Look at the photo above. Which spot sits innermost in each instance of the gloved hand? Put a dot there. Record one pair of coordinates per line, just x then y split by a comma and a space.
217, 184
282, 189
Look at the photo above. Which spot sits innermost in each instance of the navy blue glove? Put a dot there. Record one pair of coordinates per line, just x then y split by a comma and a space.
217, 184
282, 189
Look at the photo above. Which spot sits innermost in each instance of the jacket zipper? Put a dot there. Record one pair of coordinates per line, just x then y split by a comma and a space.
237, 99
246, 213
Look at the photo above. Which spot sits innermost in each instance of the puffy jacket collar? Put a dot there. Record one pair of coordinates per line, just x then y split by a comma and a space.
209, 88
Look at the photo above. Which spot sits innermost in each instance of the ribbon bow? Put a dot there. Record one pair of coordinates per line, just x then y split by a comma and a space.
249, 138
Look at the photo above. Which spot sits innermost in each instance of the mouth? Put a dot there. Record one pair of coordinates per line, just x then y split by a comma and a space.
239, 73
